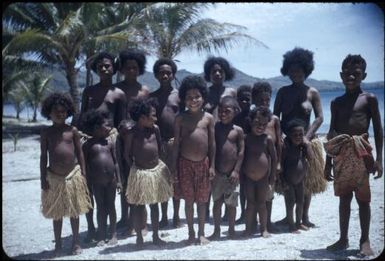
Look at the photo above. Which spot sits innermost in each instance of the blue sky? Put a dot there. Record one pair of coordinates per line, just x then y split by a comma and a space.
330, 30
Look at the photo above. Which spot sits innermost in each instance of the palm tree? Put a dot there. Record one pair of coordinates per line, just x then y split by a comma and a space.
17, 97
35, 90
171, 28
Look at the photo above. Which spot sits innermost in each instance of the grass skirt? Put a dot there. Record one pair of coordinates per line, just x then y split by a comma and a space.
67, 196
314, 181
149, 186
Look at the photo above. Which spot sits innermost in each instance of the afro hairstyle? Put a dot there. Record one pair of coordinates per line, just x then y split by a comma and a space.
298, 56
257, 111
243, 88
192, 82
354, 59
100, 57
164, 61
142, 106
93, 119
132, 54
57, 98
223, 63
259, 88
293, 123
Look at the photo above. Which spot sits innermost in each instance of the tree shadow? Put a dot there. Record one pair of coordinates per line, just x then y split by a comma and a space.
323, 253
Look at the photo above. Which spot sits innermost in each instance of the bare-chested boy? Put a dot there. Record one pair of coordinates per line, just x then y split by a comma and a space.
168, 106
149, 180
259, 166
131, 63
64, 188
103, 172
241, 119
107, 99
229, 140
296, 153
261, 96
351, 114
194, 152
217, 70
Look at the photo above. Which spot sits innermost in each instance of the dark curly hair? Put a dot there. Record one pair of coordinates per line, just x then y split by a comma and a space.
99, 58
230, 101
293, 123
57, 98
93, 119
142, 106
132, 54
298, 56
243, 88
259, 88
259, 111
354, 59
163, 61
223, 63
192, 82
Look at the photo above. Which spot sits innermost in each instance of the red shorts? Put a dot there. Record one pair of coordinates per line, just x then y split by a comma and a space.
194, 181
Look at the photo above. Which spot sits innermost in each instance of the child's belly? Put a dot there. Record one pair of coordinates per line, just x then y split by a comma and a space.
256, 168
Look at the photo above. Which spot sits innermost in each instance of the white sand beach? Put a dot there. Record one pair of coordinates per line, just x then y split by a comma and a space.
27, 234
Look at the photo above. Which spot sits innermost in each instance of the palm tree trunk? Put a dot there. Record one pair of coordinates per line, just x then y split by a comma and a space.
71, 75
34, 118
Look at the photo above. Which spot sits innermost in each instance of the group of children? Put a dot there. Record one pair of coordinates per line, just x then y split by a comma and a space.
195, 142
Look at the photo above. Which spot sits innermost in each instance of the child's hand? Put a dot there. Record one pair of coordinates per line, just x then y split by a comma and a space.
379, 169
211, 173
119, 187
44, 184
328, 172
234, 177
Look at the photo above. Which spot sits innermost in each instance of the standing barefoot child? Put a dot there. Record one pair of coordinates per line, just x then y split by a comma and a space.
348, 146
229, 140
102, 170
261, 96
296, 153
194, 152
259, 166
64, 188
149, 180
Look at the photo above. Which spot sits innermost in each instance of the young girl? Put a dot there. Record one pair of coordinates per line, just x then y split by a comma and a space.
64, 188
259, 166
149, 180
102, 171
194, 152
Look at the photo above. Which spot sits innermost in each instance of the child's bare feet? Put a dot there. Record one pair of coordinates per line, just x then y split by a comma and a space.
144, 231
113, 240
247, 233
139, 243
308, 223
365, 249
203, 240
157, 241
266, 234
302, 227
76, 249
293, 229
215, 236
58, 250
91, 234
339, 245
191, 239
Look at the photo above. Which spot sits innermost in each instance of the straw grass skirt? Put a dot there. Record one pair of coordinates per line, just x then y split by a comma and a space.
314, 181
149, 186
67, 196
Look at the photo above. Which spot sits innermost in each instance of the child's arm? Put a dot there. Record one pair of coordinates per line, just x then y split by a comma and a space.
328, 161
117, 170
43, 160
273, 157
78, 151
161, 149
278, 142
175, 151
308, 149
319, 118
127, 142
378, 133
277, 104
234, 178
121, 112
211, 140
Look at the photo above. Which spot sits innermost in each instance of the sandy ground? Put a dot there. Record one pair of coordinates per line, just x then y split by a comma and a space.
28, 235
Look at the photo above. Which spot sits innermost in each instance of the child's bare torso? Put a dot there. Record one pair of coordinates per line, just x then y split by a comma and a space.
256, 160
100, 161
61, 149
294, 166
194, 136
271, 129
145, 152
226, 156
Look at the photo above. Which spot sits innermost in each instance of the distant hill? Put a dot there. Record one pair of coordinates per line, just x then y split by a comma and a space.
59, 81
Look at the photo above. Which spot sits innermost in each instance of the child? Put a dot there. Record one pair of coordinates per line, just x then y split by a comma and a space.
168, 106
194, 152
64, 188
297, 101
102, 171
149, 180
261, 96
131, 63
295, 154
229, 140
259, 166
350, 118
244, 101
105, 98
